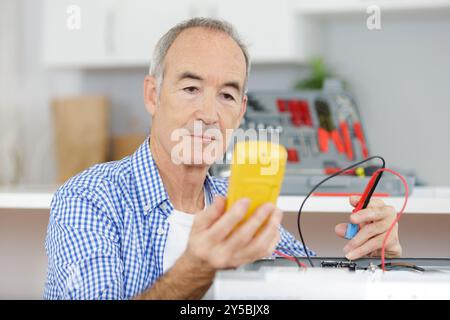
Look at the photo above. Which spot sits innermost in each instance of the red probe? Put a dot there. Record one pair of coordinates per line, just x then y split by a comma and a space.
364, 201
352, 229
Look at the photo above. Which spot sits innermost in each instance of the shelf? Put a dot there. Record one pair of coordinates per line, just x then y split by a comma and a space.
416, 205
425, 200
27, 197
333, 7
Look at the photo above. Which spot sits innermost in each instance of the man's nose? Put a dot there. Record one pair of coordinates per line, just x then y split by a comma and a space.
208, 111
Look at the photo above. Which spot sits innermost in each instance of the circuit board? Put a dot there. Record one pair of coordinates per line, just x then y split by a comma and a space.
334, 278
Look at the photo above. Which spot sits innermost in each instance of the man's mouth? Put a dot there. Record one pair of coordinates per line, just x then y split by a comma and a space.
204, 137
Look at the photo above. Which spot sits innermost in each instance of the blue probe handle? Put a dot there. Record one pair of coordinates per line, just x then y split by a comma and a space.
352, 230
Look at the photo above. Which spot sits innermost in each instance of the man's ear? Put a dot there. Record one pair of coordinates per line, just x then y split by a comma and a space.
243, 109
150, 94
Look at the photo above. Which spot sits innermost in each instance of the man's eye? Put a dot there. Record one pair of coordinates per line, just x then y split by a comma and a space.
191, 89
228, 96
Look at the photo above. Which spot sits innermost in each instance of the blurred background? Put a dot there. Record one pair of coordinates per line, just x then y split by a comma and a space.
72, 70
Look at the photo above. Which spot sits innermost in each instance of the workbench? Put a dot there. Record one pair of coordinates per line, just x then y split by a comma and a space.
24, 214
283, 279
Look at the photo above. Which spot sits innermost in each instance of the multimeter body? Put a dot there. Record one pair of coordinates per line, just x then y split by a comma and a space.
257, 172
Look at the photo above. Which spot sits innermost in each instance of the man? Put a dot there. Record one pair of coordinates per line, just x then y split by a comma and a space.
148, 227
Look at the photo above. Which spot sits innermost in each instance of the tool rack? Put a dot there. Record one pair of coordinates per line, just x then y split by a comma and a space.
322, 132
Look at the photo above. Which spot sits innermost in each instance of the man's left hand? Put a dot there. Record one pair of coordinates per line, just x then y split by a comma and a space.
374, 222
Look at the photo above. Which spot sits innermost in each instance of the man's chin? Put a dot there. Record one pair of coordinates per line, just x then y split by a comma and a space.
198, 153
196, 161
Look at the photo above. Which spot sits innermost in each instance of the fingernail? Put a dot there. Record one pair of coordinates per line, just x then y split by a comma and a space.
243, 203
280, 215
350, 256
269, 207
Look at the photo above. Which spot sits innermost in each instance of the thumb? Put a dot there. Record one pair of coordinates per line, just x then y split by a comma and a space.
207, 217
341, 229
354, 200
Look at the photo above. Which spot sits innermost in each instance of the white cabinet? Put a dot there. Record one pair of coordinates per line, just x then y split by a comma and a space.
140, 24
319, 7
116, 33
75, 32
112, 33
268, 27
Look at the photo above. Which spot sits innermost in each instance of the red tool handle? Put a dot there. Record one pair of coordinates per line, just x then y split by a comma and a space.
360, 137
322, 137
337, 141
293, 155
347, 140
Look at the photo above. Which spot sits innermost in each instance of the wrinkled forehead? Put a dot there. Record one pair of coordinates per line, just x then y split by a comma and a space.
212, 54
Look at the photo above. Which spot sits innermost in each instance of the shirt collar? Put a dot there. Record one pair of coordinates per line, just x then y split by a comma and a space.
149, 186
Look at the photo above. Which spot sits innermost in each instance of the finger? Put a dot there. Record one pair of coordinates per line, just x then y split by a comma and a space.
261, 245
248, 229
368, 247
341, 229
373, 214
354, 200
244, 258
222, 227
374, 202
366, 233
206, 218
276, 240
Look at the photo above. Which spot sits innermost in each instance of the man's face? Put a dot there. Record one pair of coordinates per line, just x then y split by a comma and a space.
201, 96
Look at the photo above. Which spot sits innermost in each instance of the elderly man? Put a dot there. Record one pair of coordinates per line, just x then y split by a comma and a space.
150, 227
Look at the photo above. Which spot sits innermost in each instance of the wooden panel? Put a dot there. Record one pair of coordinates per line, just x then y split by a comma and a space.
125, 145
81, 133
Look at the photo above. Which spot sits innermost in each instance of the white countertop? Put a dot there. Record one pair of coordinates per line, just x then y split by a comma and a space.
27, 197
432, 200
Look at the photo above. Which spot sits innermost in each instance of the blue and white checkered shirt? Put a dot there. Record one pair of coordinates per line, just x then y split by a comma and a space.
108, 229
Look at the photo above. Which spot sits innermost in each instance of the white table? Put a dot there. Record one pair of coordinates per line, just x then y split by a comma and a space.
24, 214
424, 200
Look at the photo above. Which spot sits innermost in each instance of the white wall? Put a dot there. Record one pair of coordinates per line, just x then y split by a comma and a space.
400, 76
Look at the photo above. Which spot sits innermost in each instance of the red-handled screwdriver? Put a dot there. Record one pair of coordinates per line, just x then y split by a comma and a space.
327, 129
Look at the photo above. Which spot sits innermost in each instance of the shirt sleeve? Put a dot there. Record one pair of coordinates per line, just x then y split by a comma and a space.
289, 245
83, 250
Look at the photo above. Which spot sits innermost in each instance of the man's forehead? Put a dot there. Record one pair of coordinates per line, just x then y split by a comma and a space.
208, 53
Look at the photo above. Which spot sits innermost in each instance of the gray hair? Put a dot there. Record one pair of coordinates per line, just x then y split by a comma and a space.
162, 47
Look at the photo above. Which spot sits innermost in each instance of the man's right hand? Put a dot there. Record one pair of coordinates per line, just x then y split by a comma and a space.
217, 243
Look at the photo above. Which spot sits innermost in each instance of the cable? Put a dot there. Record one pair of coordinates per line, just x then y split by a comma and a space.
291, 258
399, 214
323, 181
402, 266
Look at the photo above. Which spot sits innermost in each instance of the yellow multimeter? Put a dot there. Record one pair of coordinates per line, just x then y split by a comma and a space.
257, 172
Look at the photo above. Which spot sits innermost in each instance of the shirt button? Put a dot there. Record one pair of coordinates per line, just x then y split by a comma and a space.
164, 206
160, 231
147, 207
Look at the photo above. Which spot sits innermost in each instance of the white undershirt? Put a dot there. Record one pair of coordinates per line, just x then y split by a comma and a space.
180, 224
